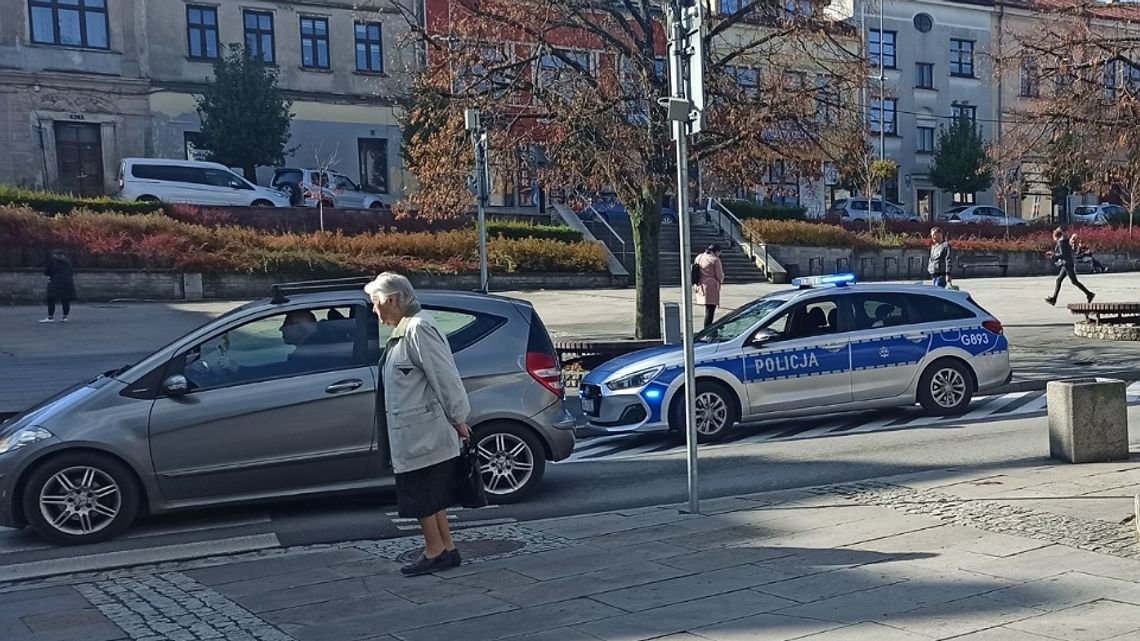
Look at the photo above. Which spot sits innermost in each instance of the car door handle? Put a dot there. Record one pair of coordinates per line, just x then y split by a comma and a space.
914, 337
834, 347
344, 386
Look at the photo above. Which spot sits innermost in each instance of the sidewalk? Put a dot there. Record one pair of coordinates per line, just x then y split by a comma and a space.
1034, 550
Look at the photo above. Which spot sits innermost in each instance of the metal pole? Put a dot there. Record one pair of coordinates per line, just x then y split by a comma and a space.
484, 187
882, 95
680, 38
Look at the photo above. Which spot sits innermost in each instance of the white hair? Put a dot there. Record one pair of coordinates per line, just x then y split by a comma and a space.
389, 284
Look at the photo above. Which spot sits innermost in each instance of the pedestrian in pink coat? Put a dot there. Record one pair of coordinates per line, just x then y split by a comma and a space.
712, 277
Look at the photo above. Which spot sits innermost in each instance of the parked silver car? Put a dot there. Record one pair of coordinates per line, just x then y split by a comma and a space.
307, 187
251, 407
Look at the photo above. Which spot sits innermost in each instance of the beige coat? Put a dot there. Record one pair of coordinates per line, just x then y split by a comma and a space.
424, 397
712, 277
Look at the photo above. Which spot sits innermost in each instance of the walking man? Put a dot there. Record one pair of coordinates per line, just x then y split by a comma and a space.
941, 260
712, 277
1062, 256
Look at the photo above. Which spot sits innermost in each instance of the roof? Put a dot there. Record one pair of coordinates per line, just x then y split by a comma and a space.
1126, 11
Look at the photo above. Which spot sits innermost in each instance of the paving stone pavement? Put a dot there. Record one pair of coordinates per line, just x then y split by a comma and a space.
1033, 553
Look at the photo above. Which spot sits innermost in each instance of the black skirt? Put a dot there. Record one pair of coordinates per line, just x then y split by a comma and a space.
423, 492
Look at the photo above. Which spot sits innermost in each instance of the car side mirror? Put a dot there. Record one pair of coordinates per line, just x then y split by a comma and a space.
235, 184
176, 385
763, 336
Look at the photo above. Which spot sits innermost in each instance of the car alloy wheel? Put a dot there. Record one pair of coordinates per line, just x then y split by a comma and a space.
948, 387
510, 459
712, 414
80, 500
80, 497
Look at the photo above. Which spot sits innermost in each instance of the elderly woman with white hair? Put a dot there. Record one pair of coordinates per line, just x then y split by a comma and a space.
426, 407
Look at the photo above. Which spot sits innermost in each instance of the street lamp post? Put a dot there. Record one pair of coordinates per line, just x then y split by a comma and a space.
482, 188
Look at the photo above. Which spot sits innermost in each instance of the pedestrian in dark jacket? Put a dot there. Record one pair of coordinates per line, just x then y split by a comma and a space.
1062, 256
61, 284
941, 259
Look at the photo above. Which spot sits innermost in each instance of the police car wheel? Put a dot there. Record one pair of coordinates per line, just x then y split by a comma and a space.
716, 412
946, 388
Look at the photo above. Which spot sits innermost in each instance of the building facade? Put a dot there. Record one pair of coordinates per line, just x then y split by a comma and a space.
934, 57
88, 82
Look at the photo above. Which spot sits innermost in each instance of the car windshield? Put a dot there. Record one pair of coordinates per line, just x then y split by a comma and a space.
1084, 211
740, 321
956, 210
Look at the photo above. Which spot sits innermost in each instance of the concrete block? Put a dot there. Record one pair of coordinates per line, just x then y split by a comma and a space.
192, 286
1088, 420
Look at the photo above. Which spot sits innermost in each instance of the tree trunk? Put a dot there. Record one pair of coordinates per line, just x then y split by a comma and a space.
645, 217
250, 173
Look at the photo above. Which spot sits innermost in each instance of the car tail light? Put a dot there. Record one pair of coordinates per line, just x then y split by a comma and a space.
544, 368
994, 326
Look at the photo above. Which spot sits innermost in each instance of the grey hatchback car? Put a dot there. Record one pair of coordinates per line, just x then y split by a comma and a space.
227, 413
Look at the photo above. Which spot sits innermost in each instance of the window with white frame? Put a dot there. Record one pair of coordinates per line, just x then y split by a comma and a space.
924, 139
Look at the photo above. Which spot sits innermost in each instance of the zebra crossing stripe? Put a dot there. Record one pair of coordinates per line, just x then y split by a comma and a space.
1017, 403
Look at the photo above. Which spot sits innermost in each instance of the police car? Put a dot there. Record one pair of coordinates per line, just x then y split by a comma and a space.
829, 345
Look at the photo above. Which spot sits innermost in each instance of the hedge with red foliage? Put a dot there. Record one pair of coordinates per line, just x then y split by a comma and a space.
963, 238
158, 241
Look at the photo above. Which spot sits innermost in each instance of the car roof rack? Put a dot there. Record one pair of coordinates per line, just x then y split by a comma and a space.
281, 291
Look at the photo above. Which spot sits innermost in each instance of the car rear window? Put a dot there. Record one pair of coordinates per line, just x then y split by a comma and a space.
933, 309
282, 176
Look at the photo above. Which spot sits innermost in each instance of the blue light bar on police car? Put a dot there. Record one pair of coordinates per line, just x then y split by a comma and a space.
838, 280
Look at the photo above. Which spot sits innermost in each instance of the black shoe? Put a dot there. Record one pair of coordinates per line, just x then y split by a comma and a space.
1091, 296
454, 559
1051, 301
427, 565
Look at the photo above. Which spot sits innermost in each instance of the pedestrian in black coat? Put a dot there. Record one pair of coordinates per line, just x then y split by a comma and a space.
61, 284
1062, 256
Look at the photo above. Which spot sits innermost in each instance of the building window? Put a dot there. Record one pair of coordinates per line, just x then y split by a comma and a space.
747, 79
373, 155
1029, 82
962, 58
71, 23
729, 7
881, 48
259, 36
923, 23
562, 66
884, 116
827, 101
924, 140
202, 32
924, 75
959, 111
369, 48
965, 199
315, 43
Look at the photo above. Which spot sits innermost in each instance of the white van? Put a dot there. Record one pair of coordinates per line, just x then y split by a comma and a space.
192, 182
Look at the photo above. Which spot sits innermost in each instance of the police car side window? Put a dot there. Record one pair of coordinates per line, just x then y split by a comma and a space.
813, 318
877, 311
932, 309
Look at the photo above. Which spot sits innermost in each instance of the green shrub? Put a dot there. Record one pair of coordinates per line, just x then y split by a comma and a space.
748, 210
519, 230
49, 203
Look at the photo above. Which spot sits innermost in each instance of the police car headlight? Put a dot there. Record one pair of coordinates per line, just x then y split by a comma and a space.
636, 380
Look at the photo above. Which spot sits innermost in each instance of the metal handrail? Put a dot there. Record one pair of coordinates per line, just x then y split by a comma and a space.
598, 217
737, 231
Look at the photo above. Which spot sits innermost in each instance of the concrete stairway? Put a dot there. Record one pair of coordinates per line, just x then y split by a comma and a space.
738, 268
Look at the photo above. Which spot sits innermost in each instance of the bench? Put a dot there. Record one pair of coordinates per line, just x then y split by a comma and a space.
985, 261
1095, 312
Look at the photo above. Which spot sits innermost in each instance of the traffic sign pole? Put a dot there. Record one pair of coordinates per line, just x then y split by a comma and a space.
686, 98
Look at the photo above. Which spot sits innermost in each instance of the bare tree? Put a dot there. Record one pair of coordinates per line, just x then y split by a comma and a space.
1078, 72
581, 80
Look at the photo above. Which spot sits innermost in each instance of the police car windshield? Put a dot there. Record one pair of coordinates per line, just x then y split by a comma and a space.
740, 321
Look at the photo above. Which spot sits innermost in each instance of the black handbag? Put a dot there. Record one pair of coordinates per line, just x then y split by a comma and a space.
471, 491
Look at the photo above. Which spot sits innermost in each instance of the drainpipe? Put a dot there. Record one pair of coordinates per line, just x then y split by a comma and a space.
43, 154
